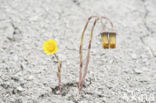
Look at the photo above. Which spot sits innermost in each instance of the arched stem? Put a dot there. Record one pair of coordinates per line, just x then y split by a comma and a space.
81, 45
81, 79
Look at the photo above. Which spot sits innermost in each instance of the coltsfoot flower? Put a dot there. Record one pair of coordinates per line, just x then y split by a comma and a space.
50, 47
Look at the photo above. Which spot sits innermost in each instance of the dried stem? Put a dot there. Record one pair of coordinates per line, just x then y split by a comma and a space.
81, 79
59, 72
103, 26
103, 17
88, 56
81, 45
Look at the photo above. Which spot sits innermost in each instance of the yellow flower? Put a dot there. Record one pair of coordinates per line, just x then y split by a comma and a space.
50, 47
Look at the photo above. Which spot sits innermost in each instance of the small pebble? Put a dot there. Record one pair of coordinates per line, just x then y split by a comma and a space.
134, 56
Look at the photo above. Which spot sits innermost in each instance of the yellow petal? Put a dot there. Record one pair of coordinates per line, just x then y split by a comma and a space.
50, 47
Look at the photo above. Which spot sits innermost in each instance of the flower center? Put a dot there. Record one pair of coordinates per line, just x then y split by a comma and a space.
51, 48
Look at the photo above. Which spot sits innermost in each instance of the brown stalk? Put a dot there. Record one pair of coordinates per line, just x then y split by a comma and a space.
81, 79
104, 17
59, 73
81, 45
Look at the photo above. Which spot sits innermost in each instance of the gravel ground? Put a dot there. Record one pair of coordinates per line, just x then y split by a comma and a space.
122, 75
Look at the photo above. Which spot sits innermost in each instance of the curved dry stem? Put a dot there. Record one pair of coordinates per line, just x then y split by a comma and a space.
88, 55
103, 17
59, 72
81, 45
81, 79
103, 26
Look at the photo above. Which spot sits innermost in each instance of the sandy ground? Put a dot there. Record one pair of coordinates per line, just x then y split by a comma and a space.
122, 75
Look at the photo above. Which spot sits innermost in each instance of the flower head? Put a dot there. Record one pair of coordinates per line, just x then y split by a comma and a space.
50, 47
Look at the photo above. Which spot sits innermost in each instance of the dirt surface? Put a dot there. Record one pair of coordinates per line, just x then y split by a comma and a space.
122, 75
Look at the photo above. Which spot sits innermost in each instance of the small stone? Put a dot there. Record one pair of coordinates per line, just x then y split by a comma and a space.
20, 88
134, 56
138, 71
111, 61
29, 78
16, 58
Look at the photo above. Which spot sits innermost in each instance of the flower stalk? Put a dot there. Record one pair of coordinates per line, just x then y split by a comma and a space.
82, 78
59, 72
